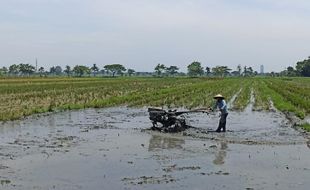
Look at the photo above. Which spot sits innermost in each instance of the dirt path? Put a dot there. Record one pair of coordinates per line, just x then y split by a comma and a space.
106, 149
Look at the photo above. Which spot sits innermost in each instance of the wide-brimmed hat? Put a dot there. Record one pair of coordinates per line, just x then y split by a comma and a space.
219, 96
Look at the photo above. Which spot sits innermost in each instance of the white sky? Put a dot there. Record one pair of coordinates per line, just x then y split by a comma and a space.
141, 33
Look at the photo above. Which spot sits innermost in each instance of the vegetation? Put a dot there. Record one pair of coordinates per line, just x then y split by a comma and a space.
131, 72
172, 70
159, 69
24, 96
262, 96
80, 70
24, 91
195, 69
306, 126
302, 68
288, 96
243, 99
115, 69
221, 71
94, 69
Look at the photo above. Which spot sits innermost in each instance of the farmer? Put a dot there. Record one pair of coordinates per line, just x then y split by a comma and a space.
221, 105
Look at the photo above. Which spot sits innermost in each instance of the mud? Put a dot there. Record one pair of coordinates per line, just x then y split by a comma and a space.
112, 149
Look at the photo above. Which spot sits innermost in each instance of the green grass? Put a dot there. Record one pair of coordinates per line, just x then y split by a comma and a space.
262, 97
286, 99
306, 127
243, 99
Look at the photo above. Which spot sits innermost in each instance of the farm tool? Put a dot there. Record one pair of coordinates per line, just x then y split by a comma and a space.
171, 121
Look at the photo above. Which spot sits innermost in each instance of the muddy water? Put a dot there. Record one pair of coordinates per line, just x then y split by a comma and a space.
109, 149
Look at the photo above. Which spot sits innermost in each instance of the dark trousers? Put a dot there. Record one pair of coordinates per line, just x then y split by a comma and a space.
222, 123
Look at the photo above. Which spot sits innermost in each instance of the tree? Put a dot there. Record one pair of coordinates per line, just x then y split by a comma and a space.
26, 69
80, 70
3, 71
172, 70
208, 71
94, 69
290, 71
14, 69
195, 69
58, 70
159, 69
306, 70
41, 71
226, 70
53, 70
221, 70
67, 70
303, 67
250, 71
245, 71
87, 71
115, 68
130, 72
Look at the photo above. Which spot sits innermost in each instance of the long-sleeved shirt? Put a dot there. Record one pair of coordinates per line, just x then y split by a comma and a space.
222, 106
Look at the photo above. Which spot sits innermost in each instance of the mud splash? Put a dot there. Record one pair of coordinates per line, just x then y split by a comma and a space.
105, 149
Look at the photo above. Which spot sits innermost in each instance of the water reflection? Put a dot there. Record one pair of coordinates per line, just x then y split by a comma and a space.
163, 142
220, 155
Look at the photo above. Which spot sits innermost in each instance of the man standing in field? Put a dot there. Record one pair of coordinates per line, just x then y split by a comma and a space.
221, 105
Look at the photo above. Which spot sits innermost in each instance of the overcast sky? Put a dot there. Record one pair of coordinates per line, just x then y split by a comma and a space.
141, 33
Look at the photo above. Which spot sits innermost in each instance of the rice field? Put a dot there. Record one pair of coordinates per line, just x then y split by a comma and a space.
21, 97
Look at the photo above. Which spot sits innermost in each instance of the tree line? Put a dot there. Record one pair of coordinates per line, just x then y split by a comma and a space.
78, 70
302, 68
194, 69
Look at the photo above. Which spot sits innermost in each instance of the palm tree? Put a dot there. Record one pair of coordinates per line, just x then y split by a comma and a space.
41, 70
94, 69
221, 70
208, 71
68, 70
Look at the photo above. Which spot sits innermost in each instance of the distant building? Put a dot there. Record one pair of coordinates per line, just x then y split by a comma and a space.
262, 69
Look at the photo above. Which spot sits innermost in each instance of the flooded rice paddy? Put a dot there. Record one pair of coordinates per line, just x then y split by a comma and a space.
112, 149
